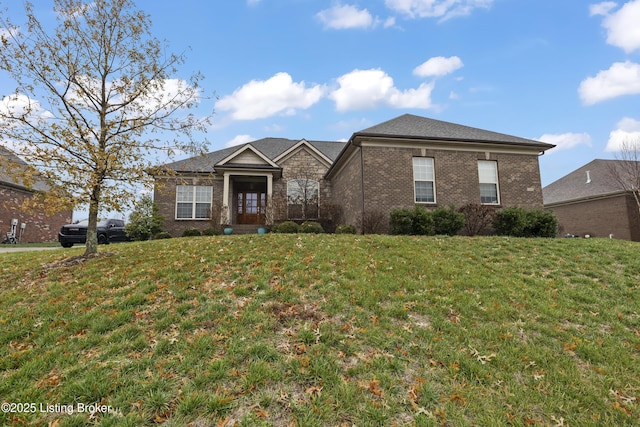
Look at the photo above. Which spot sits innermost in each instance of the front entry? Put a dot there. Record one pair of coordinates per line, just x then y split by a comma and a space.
250, 207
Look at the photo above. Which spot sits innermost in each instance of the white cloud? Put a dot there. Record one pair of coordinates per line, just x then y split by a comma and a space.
438, 66
566, 141
239, 140
443, 9
623, 78
602, 8
365, 89
18, 105
342, 17
623, 26
627, 132
264, 98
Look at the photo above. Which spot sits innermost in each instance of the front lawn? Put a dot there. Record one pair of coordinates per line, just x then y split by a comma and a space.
324, 330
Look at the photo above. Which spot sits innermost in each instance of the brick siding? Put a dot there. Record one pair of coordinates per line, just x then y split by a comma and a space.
39, 226
617, 215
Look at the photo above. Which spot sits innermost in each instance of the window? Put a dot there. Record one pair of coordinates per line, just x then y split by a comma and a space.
488, 176
423, 180
193, 202
302, 198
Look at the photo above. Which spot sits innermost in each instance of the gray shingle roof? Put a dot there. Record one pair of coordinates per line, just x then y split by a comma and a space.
270, 147
410, 126
578, 185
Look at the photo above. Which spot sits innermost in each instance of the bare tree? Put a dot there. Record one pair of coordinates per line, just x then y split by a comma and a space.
95, 103
625, 172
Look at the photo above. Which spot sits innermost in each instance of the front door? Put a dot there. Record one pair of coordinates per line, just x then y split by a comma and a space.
251, 207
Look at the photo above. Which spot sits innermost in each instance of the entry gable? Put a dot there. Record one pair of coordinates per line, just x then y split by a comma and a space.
301, 145
247, 155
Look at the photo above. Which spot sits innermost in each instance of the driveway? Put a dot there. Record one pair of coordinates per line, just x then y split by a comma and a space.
10, 248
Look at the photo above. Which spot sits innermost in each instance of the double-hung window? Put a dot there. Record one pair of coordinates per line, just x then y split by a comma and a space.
424, 183
488, 177
193, 202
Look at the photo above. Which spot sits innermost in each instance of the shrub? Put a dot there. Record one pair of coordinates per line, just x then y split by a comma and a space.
191, 232
373, 222
541, 223
311, 227
401, 221
510, 221
162, 235
345, 229
286, 227
447, 221
478, 219
417, 221
422, 222
210, 231
519, 222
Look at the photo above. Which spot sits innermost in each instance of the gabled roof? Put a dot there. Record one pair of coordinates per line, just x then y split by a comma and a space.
409, 126
246, 154
270, 148
592, 180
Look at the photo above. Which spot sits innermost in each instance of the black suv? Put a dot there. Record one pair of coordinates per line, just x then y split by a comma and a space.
109, 231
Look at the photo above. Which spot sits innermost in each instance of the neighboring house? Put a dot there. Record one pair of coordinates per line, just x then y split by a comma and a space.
589, 201
403, 162
31, 227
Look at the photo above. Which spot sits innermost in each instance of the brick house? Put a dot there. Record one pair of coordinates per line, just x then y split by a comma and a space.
38, 227
405, 161
588, 201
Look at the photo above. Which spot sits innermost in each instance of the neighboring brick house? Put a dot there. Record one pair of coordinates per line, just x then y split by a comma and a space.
589, 201
38, 227
403, 162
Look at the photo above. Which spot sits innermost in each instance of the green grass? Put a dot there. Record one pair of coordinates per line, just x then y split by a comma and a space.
316, 330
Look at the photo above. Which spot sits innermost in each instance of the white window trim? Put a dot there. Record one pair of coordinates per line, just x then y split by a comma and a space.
193, 202
415, 195
497, 182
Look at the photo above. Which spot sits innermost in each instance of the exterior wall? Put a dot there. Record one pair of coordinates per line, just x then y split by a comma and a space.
347, 190
301, 165
164, 196
616, 215
388, 178
39, 226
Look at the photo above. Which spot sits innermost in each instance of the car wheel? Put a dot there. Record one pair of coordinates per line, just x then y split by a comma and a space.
102, 239
66, 245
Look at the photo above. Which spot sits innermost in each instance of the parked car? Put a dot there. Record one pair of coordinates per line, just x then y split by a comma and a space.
109, 231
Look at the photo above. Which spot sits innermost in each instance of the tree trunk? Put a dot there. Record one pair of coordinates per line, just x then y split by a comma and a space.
92, 233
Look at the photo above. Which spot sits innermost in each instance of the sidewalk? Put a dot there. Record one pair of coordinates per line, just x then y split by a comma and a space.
11, 248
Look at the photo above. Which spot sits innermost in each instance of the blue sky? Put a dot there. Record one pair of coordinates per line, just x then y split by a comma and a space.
565, 72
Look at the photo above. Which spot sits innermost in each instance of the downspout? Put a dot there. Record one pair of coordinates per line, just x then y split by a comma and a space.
362, 186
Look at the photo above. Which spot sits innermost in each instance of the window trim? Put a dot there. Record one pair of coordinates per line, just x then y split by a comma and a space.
195, 202
496, 183
432, 181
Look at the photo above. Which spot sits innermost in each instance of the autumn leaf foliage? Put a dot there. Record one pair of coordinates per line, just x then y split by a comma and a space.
96, 103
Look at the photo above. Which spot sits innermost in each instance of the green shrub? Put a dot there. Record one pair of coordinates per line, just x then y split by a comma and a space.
145, 220
401, 221
422, 221
311, 227
519, 222
345, 229
191, 232
541, 223
417, 221
210, 232
447, 221
286, 227
162, 235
